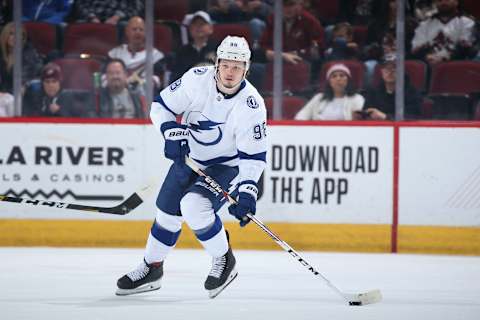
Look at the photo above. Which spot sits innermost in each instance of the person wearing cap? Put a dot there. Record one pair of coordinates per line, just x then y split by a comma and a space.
134, 56
339, 101
380, 100
50, 100
200, 49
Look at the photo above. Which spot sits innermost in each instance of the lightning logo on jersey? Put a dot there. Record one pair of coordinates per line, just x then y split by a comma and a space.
203, 130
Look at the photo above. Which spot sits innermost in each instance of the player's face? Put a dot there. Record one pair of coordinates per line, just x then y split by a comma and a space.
231, 72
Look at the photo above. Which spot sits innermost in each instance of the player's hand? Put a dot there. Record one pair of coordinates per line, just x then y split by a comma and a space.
246, 203
176, 143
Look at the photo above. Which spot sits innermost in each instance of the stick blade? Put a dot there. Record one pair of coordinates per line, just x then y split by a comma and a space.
360, 299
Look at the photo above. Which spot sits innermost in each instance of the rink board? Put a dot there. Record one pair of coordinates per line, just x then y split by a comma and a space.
329, 187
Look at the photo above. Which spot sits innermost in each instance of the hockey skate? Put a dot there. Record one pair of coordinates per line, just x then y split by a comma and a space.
147, 277
223, 272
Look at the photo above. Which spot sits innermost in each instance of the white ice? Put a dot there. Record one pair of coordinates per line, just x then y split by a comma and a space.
74, 284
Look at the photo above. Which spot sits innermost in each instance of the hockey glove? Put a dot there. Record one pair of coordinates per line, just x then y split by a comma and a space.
176, 143
246, 203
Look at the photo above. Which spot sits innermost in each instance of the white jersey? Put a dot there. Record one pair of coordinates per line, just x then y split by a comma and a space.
229, 130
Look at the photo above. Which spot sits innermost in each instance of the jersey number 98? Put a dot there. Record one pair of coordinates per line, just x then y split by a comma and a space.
260, 131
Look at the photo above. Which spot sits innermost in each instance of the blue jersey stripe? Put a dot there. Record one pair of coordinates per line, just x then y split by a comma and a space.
160, 100
262, 156
216, 160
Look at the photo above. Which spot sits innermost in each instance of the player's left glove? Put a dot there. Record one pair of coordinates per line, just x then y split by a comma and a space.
176, 143
246, 203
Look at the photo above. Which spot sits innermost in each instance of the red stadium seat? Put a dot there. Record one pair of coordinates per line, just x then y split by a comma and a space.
221, 30
171, 10
163, 38
357, 69
78, 73
416, 70
452, 87
42, 35
326, 10
360, 34
471, 7
296, 77
89, 38
290, 106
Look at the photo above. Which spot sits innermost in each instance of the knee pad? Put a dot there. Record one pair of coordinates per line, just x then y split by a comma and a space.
197, 211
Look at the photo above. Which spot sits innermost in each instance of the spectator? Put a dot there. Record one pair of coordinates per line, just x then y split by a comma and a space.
384, 25
342, 45
111, 12
380, 101
46, 11
303, 35
200, 50
226, 11
338, 102
447, 35
50, 100
31, 61
357, 12
116, 100
134, 56
7, 107
257, 12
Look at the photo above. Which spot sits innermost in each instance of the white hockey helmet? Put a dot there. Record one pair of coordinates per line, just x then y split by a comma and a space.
234, 48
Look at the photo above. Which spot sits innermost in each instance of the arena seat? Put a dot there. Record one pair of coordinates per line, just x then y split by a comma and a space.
221, 30
290, 106
454, 87
89, 38
471, 7
78, 73
171, 10
326, 11
296, 77
163, 38
43, 36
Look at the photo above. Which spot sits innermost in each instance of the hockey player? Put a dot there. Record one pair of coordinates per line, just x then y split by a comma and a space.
223, 130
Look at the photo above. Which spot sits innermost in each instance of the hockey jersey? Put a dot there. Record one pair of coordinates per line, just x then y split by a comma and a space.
223, 129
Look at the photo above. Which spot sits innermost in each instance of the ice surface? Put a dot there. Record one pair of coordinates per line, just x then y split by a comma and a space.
74, 284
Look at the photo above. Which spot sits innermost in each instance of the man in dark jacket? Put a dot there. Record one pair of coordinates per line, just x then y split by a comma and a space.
116, 100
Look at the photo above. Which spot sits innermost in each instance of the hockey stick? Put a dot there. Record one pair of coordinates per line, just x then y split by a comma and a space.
123, 208
353, 299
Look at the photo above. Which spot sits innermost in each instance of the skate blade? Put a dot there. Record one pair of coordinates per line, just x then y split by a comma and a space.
215, 292
152, 286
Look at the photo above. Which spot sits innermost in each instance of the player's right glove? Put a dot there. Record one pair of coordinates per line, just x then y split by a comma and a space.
176, 143
246, 203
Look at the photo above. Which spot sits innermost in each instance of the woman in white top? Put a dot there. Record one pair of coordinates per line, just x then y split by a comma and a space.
338, 102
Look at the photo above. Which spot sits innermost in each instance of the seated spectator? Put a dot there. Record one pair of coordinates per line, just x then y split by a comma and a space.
111, 12
380, 101
45, 11
134, 56
338, 102
226, 11
31, 61
116, 100
50, 100
447, 35
303, 35
200, 50
7, 107
357, 12
342, 45
257, 12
